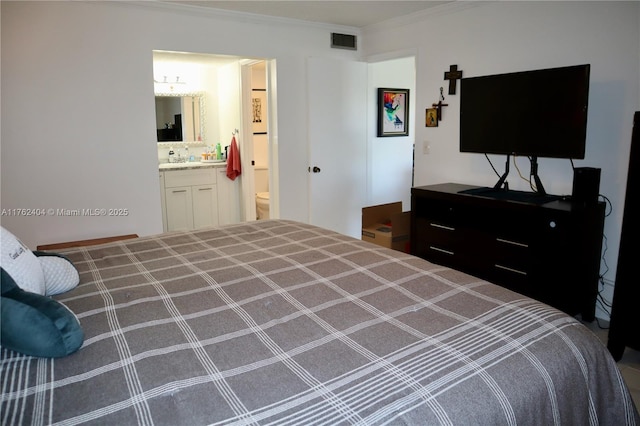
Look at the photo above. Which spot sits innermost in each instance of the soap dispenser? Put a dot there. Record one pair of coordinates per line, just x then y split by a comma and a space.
171, 155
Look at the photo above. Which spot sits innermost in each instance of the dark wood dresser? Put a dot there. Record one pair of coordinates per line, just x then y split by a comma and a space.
547, 248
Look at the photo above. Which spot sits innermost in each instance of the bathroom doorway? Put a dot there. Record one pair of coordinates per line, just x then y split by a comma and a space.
258, 104
237, 102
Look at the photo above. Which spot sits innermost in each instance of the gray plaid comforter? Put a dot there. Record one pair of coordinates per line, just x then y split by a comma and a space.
278, 322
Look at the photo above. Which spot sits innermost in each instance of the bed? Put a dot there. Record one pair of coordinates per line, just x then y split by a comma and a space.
280, 322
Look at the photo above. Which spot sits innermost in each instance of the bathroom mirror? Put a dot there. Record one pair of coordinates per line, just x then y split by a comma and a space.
180, 117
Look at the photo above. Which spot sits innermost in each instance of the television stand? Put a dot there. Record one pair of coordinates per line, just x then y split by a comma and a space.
533, 174
548, 250
502, 181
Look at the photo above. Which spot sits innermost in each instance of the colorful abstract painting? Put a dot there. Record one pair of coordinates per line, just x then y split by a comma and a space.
393, 112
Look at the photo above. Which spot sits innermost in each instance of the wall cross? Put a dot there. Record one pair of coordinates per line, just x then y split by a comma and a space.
453, 75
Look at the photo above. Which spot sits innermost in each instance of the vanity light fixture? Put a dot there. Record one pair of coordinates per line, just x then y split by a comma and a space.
171, 83
164, 81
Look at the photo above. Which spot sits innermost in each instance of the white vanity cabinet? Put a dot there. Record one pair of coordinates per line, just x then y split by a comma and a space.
205, 205
190, 199
163, 202
229, 192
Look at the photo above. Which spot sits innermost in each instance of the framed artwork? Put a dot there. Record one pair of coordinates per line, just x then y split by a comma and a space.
259, 111
393, 112
431, 119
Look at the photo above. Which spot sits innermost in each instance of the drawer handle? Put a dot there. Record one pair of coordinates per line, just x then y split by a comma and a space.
205, 189
442, 250
179, 190
515, 243
510, 269
436, 225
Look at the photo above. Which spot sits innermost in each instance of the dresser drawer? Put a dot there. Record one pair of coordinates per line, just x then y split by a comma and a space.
175, 178
441, 238
513, 279
439, 211
511, 254
452, 246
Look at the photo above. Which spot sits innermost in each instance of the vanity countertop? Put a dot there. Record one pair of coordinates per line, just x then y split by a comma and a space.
190, 165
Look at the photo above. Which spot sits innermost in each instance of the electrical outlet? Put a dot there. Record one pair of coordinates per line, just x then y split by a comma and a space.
426, 147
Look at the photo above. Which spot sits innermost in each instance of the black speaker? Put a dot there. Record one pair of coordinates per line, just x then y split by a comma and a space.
586, 185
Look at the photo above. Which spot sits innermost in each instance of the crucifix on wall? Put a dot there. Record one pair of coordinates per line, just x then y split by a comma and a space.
439, 106
453, 75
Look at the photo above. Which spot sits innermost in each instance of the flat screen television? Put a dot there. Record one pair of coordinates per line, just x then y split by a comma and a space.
539, 113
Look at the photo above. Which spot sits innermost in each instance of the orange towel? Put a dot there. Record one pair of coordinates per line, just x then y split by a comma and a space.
233, 161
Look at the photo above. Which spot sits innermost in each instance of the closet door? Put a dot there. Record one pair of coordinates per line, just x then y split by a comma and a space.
625, 326
337, 143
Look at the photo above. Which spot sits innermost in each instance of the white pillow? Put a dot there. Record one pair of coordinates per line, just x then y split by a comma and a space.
59, 274
21, 264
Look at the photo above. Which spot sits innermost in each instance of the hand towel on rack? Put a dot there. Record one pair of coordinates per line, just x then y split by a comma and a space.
233, 161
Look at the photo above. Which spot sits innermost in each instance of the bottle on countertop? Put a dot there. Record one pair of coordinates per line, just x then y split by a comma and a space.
171, 154
218, 152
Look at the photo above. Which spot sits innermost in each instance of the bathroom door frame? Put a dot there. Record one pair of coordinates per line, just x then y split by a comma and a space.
248, 181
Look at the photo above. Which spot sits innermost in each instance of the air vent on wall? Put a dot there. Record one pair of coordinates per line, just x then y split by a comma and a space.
344, 41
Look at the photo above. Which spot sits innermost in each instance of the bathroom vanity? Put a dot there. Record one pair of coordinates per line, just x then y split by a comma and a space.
197, 195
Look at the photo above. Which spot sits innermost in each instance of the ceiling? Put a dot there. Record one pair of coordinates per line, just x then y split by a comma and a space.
353, 13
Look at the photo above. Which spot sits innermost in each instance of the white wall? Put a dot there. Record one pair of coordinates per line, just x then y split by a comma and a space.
78, 121
496, 37
78, 115
391, 158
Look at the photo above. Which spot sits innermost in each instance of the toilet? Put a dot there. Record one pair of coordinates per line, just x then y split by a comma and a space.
262, 192
262, 205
